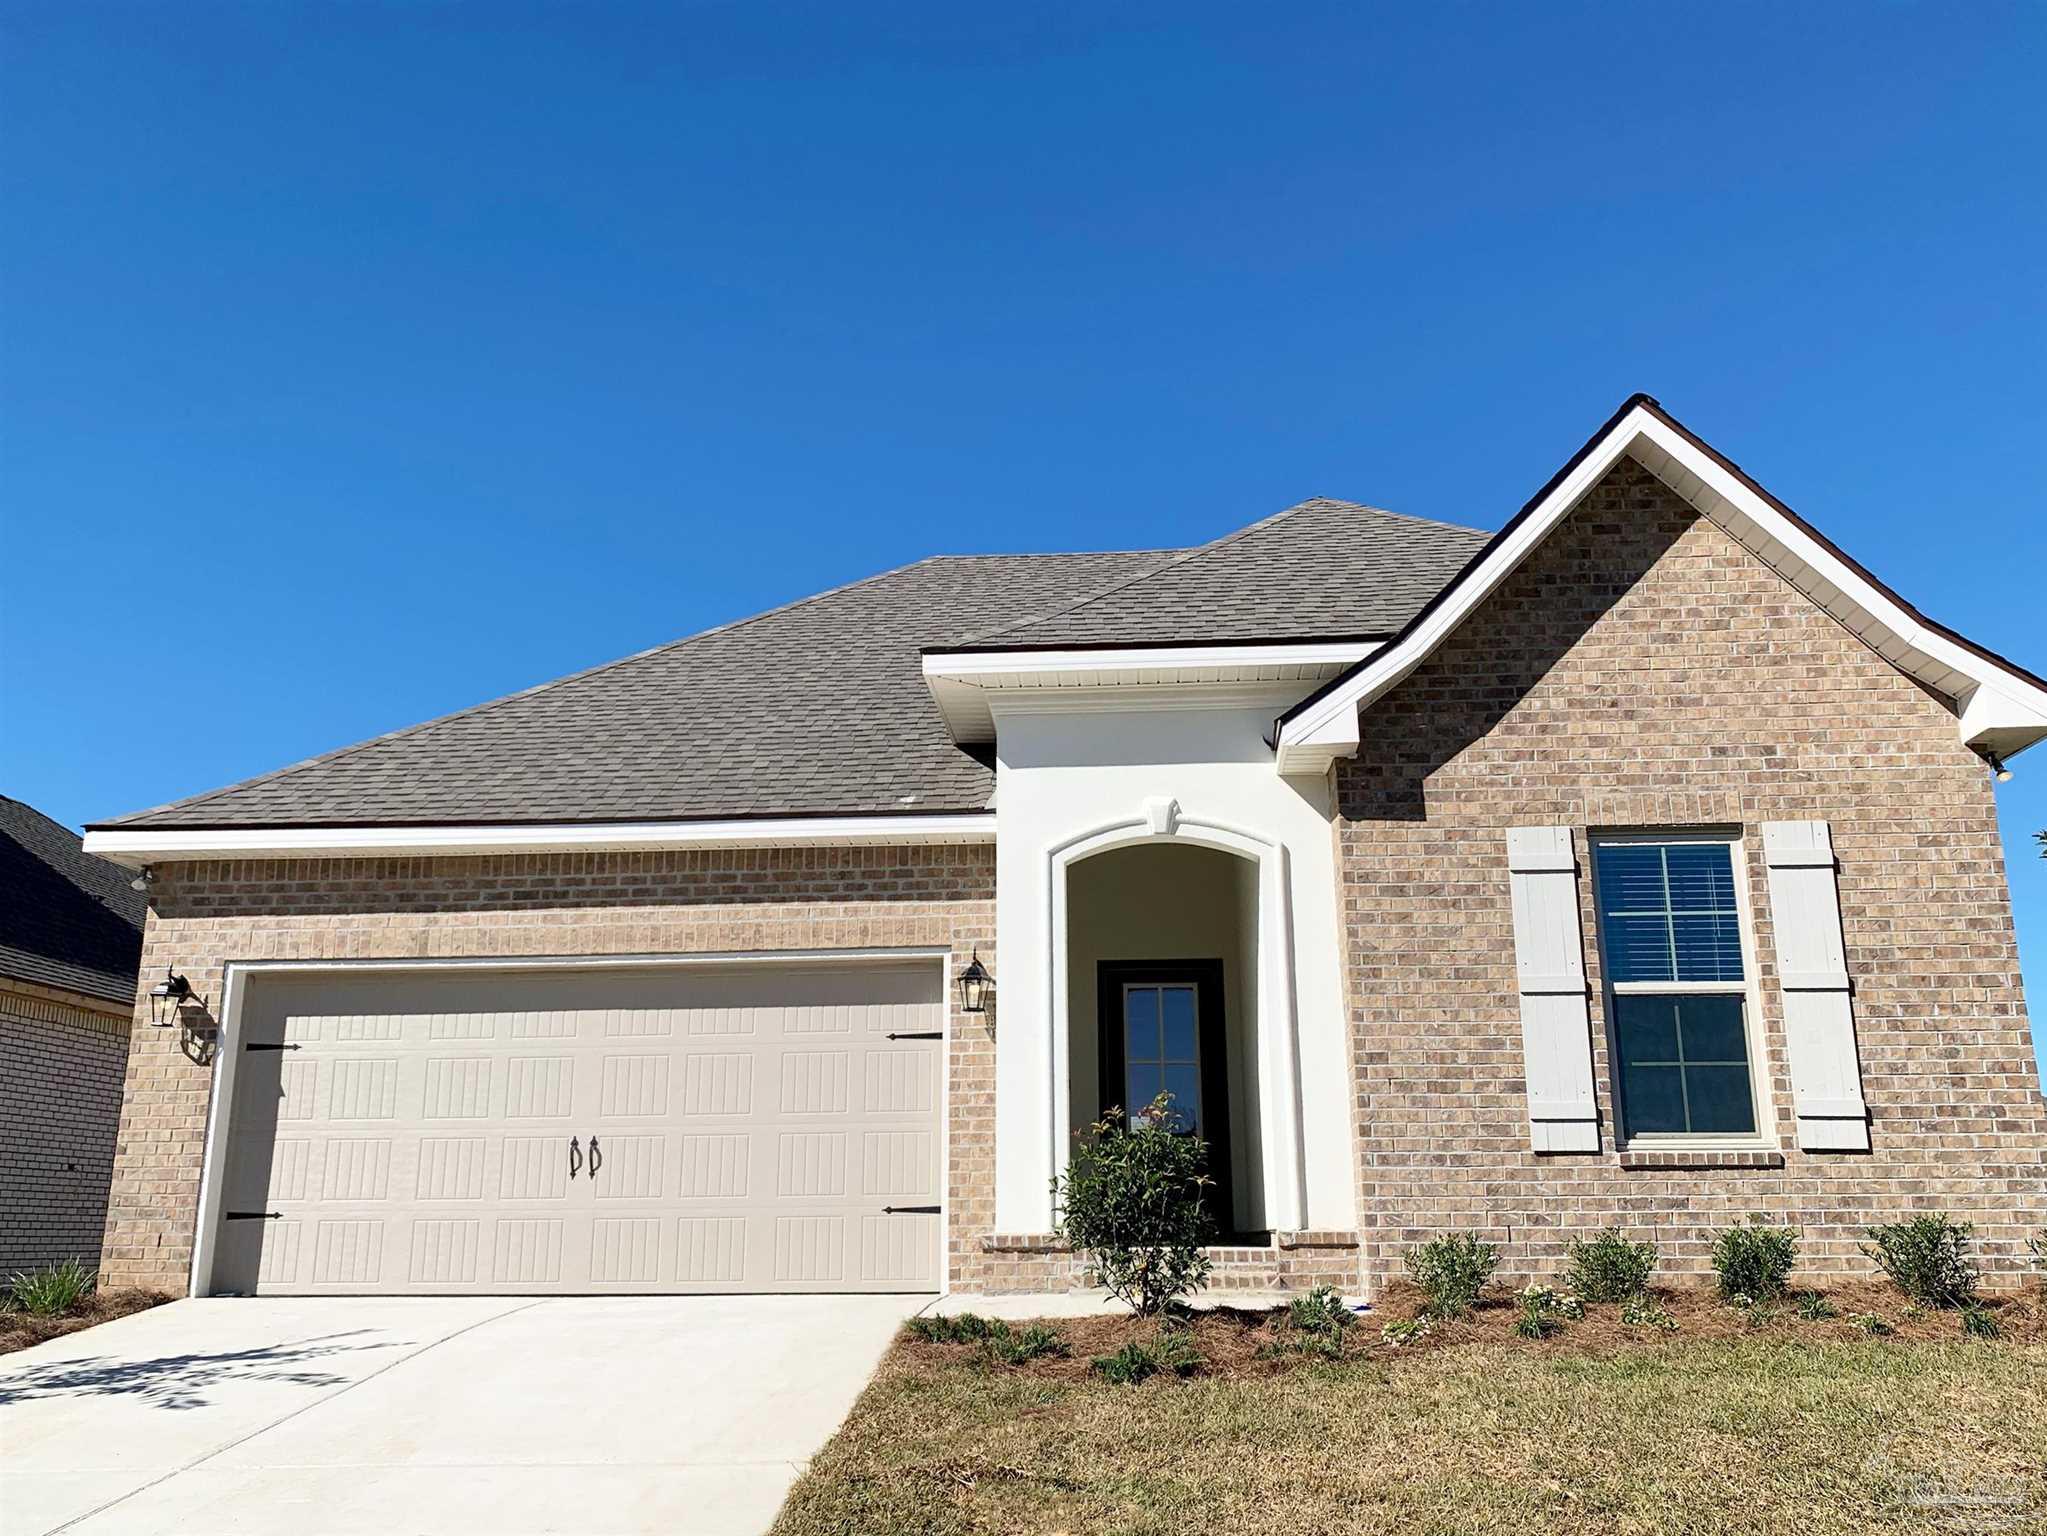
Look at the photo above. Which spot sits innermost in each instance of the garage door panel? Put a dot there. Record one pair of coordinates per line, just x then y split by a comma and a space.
714, 1130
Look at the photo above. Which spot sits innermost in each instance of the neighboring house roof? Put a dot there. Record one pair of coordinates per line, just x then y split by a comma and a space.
68, 920
820, 708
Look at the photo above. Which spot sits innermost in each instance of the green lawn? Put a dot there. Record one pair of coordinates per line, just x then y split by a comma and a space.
1782, 1428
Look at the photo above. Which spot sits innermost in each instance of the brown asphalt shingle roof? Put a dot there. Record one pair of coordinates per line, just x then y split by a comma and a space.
820, 707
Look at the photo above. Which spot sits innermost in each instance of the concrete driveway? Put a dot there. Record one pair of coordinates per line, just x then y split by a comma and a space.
489, 1415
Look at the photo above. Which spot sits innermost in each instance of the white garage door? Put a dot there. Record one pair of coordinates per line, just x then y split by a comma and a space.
743, 1128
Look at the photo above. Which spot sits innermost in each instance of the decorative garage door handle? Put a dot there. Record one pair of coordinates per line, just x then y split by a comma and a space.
596, 1158
575, 1158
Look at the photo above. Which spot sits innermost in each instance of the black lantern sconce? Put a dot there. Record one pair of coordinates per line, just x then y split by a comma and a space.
168, 996
977, 987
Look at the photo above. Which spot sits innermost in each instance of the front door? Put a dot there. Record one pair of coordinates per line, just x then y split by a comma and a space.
1163, 1032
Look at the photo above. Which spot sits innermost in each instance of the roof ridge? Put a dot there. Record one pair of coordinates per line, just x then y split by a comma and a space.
1183, 557
337, 753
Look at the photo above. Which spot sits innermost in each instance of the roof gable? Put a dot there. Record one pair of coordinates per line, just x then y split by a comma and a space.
2000, 707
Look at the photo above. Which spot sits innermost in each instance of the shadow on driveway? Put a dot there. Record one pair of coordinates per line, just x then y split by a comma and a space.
182, 1381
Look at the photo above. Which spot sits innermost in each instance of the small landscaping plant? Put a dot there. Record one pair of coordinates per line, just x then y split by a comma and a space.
1317, 1323
1171, 1353
1001, 1343
1607, 1267
2037, 1246
1871, 1325
1009, 1346
1544, 1312
1406, 1331
1641, 1312
51, 1291
1452, 1271
1132, 1206
1979, 1322
1815, 1308
966, 1328
1755, 1259
1927, 1258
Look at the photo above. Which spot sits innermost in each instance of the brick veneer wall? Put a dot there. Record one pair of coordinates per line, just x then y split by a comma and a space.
1643, 669
206, 915
60, 1101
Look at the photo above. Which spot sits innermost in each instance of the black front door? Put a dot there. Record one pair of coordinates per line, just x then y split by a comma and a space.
1162, 1032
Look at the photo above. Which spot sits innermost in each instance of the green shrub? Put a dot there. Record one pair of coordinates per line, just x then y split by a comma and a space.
1641, 1312
1754, 1260
1008, 1346
1452, 1271
1132, 1206
1979, 1322
1607, 1267
1544, 1312
1927, 1258
1872, 1325
1170, 1353
52, 1290
966, 1328
1815, 1308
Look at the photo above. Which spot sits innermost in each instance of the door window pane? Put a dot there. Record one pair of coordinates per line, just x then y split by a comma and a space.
1161, 1052
1141, 1023
1177, 1010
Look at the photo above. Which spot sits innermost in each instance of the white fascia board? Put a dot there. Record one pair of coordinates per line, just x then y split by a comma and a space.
140, 847
2000, 709
964, 684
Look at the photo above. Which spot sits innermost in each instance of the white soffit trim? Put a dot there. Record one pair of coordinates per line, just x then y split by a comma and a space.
964, 683
138, 848
1999, 709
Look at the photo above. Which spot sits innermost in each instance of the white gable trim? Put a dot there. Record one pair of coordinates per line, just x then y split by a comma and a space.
136, 849
1999, 708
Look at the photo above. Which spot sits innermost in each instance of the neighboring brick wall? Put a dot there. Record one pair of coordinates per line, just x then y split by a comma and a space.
1643, 669
60, 1102
207, 915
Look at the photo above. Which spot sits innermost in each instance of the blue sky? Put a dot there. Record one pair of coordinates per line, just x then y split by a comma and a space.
362, 361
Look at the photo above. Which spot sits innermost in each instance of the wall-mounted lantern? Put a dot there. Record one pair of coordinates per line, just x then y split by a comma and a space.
976, 986
168, 996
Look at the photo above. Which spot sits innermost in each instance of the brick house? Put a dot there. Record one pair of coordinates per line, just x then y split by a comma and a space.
1637, 864
70, 939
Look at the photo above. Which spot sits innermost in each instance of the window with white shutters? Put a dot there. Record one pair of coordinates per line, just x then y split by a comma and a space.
1677, 987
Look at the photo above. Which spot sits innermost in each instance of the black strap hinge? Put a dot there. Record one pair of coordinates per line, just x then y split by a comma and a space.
917, 1034
909, 1210
255, 1215
265, 1045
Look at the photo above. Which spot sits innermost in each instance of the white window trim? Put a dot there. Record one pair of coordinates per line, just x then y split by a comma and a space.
1749, 989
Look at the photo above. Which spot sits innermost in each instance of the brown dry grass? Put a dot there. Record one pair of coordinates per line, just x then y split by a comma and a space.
18, 1330
1728, 1425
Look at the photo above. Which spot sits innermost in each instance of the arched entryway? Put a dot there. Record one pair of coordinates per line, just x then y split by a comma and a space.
1161, 996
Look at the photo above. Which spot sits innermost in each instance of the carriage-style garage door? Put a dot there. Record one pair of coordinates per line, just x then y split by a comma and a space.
686, 1128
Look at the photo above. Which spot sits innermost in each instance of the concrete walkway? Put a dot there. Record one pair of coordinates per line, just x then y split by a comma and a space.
482, 1416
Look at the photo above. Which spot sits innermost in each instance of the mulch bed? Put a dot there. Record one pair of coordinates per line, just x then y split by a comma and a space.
1238, 1343
18, 1330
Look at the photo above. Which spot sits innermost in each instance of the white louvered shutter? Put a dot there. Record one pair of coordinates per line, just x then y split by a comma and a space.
1812, 970
1549, 954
